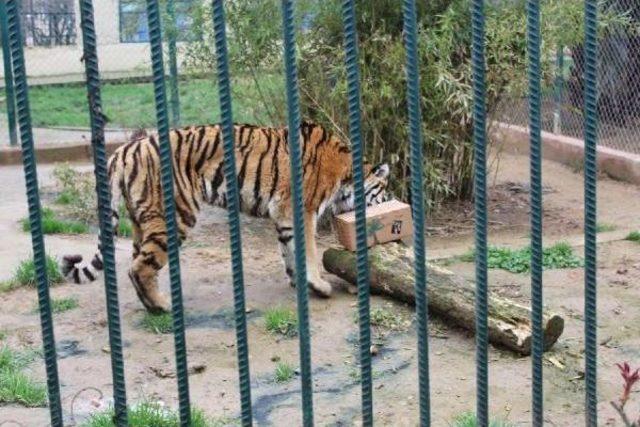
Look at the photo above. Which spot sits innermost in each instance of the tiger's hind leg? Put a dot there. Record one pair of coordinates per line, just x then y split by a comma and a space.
150, 256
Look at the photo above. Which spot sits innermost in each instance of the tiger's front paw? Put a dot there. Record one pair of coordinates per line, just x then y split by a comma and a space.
321, 287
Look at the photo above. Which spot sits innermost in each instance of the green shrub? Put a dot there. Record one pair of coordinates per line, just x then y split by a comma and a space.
152, 414
284, 372
634, 236
158, 323
15, 386
469, 420
25, 274
63, 304
281, 321
53, 225
444, 49
559, 255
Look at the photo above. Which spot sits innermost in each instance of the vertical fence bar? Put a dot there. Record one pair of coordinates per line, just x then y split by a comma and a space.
362, 265
90, 55
558, 90
172, 35
35, 220
480, 190
166, 171
233, 208
417, 204
295, 155
590, 208
8, 75
533, 49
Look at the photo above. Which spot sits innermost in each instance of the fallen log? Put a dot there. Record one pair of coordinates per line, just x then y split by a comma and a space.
391, 268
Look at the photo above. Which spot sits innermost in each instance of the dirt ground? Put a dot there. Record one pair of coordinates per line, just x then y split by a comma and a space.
81, 334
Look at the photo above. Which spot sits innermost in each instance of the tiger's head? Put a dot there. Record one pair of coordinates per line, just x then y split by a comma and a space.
375, 189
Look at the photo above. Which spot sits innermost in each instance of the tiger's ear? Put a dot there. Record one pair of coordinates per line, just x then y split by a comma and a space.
381, 170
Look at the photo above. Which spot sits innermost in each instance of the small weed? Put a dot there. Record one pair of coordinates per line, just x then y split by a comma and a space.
469, 420
634, 236
603, 227
65, 197
469, 256
15, 386
158, 323
152, 414
559, 255
25, 275
77, 191
355, 374
284, 372
63, 304
281, 321
386, 319
53, 225
3, 335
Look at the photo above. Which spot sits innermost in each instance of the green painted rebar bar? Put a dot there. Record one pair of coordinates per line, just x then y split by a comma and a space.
533, 49
293, 115
233, 208
417, 205
8, 75
172, 35
590, 208
480, 190
362, 265
90, 56
166, 171
558, 90
35, 220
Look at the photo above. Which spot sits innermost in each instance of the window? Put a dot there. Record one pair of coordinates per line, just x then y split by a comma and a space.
133, 20
48, 22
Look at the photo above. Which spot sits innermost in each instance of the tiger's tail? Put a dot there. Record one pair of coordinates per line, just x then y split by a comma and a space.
73, 267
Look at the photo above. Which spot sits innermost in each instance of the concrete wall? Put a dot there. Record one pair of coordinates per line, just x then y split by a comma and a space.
616, 164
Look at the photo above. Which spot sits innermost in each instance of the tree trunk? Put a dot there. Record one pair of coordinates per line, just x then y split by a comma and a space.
391, 268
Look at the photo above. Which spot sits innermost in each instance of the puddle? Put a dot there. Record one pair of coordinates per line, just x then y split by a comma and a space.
222, 319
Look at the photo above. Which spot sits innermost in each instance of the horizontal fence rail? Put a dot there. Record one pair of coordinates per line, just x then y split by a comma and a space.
16, 89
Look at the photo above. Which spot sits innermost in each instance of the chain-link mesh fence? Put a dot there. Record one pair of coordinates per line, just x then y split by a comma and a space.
618, 88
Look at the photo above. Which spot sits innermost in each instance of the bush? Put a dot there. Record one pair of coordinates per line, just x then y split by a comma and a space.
445, 74
25, 274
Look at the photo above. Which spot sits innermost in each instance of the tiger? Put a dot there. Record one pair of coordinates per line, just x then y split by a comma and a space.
262, 157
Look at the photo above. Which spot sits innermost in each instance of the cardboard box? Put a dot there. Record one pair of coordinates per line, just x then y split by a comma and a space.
386, 222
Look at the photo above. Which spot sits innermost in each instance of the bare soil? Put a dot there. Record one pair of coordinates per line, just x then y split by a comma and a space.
82, 336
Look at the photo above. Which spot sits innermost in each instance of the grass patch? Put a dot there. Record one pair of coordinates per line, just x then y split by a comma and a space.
603, 227
3, 335
634, 236
469, 420
157, 323
15, 386
282, 321
560, 255
152, 414
60, 305
25, 275
130, 104
284, 372
53, 225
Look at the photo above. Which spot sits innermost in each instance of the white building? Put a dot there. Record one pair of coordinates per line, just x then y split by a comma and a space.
53, 38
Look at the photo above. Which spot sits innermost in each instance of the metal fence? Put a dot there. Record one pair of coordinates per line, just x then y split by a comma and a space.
223, 77
618, 97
